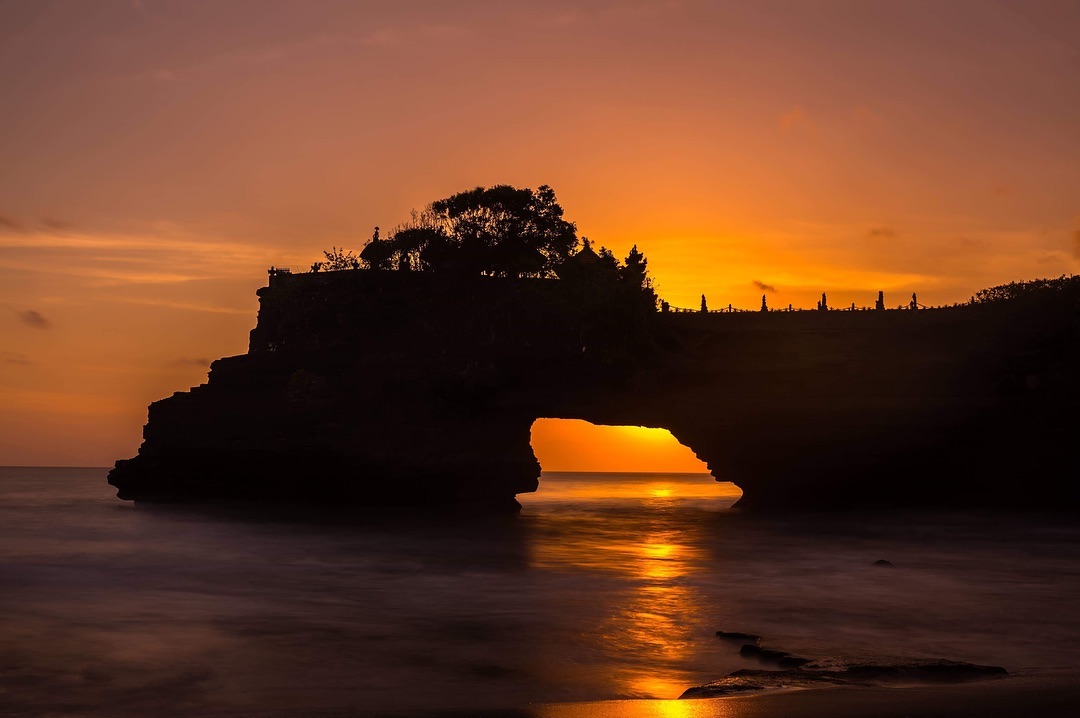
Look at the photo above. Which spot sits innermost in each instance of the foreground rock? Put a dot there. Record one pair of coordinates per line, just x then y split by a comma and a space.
851, 674
768, 655
372, 387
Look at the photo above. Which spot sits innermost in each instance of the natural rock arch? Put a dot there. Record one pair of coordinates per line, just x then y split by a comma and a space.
376, 387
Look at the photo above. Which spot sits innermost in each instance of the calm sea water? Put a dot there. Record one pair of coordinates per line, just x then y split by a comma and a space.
605, 586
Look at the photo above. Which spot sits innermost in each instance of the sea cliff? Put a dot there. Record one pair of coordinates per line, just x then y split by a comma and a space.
387, 387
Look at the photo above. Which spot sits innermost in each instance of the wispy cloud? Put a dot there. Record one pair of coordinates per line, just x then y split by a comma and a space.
10, 224
62, 403
127, 259
796, 119
1076, 243
192, 361
185, 306
881, 233
382, 37
15, 358
975, 242
34, 319
867, 117
56, 225
763, 286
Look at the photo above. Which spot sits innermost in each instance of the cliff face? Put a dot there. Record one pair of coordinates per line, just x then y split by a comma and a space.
385, 387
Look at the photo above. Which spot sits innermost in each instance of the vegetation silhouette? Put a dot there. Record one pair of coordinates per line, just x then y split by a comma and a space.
498, 231
1027, 290
511, 233
411, 373
337, 259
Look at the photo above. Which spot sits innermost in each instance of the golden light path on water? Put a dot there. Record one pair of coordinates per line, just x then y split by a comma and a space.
650, 621
645, 709
647, 622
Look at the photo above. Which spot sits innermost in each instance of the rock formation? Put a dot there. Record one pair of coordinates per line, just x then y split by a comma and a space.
376, 387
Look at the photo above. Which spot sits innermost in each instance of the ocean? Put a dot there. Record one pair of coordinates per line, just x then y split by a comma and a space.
605, 586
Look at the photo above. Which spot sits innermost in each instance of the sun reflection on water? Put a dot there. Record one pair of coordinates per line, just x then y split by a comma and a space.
645, 709
648, 626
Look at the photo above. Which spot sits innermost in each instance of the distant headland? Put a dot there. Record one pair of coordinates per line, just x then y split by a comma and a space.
411, 373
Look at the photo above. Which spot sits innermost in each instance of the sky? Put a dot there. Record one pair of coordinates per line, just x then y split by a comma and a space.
156, 156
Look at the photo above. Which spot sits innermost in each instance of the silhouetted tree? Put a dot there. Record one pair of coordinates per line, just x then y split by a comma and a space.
501, 231
634, 275
378, 252
635, 269
609, 261
336, 259
506, 231
1028, 288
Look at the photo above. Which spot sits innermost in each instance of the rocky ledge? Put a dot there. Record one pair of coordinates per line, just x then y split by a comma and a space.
376, 387
814, 674
797, 672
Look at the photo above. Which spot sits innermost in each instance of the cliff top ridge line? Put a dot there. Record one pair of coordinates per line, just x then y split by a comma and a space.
411, 374
1016, 290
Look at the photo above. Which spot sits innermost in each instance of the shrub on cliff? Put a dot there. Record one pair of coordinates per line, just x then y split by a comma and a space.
501, 231
337, 259
1029, 289
498, 231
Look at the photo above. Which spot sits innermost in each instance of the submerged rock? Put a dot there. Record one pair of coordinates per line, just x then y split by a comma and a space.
738, 636
731, 685
936, 670
781, 658
813, 674
883, 562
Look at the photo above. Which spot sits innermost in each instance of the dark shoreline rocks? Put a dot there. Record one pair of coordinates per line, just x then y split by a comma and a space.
781, 658
797, 672
738, 636
814, 674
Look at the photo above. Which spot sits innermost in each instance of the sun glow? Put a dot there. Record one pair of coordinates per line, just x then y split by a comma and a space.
576, 445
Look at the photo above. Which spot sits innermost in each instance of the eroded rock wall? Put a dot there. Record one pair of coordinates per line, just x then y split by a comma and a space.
386, 387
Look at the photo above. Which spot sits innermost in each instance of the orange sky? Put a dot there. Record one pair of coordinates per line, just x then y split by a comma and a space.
576, 445
157, 156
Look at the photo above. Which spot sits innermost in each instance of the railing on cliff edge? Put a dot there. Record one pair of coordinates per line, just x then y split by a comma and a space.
792, 310
274, 271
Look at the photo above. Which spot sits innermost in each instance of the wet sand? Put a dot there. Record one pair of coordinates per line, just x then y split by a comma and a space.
1013, 697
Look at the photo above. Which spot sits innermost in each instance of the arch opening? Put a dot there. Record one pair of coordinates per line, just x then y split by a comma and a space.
636, 462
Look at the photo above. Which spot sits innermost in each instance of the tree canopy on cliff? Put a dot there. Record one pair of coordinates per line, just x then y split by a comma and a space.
1025, 289
499, 231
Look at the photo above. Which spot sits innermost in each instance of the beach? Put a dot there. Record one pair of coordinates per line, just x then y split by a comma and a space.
1049, 697
602, 597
